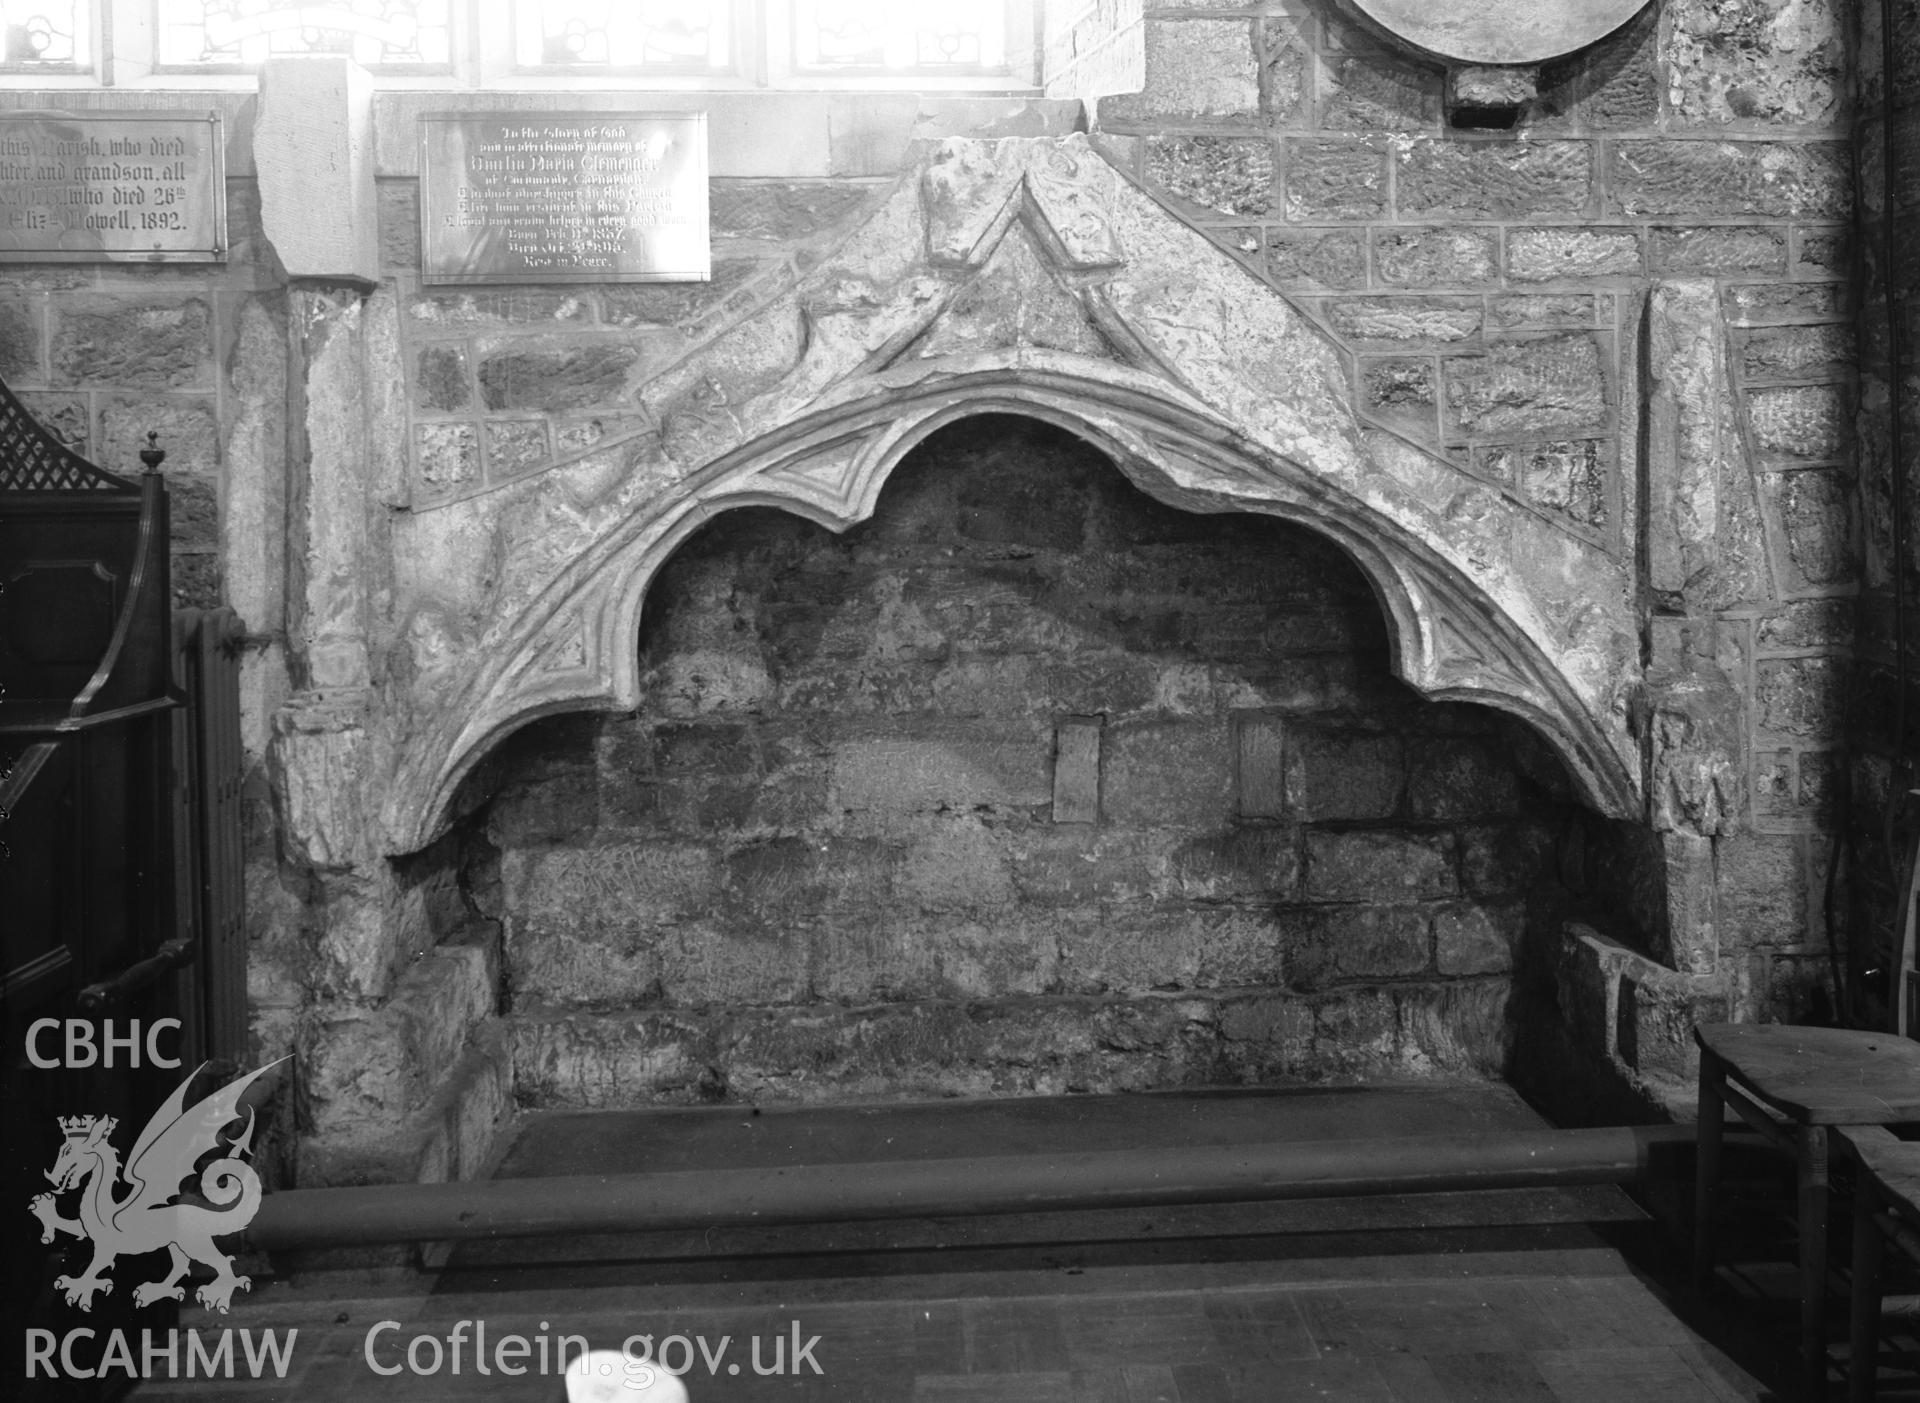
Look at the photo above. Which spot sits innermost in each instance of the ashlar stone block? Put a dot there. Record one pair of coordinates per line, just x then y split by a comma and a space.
1705, 524
563, 378
1225, 174
1534, 310
1328, 258
1801, 698
1559, 254
1505, 87
1807, 180
22, 326
1455, 779
1336, 777
1796, 352
188, 426
1816, 513
1076, 770
1378, 866
1372, 91
1573, 478
1260, 766
1471, 938
1168, 773
515, 446
1719, 249
1543, 385
1196, 69
1391, 323
1781, 63
1334, 179
1613, 85
1367, 942
1493, 180
1802, 421
313, 144
446, 457
440, 379
905, 775
128, 345
1463, 255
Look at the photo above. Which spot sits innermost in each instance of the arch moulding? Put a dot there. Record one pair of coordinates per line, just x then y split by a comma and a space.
1025, 276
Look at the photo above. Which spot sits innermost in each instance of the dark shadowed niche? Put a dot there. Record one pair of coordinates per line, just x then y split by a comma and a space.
1030, 783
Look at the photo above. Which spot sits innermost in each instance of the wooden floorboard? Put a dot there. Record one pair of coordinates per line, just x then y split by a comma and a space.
1520, 1332
1534, 1296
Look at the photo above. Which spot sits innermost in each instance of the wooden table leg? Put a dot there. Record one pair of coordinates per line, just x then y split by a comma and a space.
1863, 1355
1813, 1256
1712, 1124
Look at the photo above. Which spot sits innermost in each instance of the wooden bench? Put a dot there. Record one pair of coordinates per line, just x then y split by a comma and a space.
1886, 1210
1795, 1086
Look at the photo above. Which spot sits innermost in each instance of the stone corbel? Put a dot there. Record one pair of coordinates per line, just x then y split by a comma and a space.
1489, 97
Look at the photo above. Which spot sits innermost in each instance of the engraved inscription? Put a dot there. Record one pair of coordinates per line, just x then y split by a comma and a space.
589, 197
81, 187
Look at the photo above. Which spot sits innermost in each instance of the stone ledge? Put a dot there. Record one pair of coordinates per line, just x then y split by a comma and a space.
1032, 1046
452, 1138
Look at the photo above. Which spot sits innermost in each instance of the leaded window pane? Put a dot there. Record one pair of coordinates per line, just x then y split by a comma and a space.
899, 35
618, 35
234, 34
45, 36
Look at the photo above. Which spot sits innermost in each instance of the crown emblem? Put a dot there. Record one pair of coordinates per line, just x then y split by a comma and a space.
145, 1218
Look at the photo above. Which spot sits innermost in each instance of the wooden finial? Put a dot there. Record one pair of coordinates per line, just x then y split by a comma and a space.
153, 455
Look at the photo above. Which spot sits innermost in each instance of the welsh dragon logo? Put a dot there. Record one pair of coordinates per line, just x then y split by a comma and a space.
146, 1219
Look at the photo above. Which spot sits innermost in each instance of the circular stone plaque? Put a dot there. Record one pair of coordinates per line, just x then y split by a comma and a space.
1501, 31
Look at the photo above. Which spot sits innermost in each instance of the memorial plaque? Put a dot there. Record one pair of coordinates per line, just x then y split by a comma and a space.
123, 187
563, 197
1502, 31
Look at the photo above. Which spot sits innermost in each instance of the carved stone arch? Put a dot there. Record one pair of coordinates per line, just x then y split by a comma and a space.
1026, 276
1448, 640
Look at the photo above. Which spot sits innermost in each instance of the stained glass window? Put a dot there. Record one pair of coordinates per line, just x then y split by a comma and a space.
241, 34
725, 40
909, 36
673, 36
45, 36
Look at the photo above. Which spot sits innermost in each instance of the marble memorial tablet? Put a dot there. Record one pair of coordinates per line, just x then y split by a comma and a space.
1502, 31
563, 197
124, 187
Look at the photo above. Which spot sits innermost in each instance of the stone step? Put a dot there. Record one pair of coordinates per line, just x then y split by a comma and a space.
674, 1140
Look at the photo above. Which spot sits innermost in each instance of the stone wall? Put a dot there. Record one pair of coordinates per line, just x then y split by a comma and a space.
1091, 48
103, 354
1671, 209
1029, 783
1613, 344
1882, 721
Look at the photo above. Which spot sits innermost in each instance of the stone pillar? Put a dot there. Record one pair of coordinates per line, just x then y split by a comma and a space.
329, 751
328, 608
1707, 570
1706, 548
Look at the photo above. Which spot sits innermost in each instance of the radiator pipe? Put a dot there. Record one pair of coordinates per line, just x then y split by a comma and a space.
938, 1188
